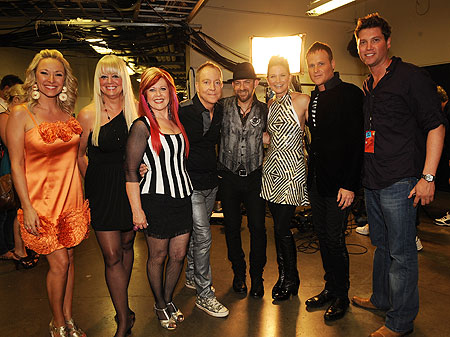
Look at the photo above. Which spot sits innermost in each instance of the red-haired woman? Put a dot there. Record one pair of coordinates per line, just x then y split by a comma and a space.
160, 202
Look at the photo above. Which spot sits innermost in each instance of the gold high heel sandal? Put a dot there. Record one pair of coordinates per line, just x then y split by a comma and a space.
176, 313
169, 322
57, 331
73, 330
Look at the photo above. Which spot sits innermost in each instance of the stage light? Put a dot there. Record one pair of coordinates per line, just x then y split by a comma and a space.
263, 48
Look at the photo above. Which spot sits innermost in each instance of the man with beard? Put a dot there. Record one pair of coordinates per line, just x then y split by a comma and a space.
239, 163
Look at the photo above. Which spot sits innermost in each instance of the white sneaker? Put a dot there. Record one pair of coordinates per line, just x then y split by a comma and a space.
418, 244
363, 230
211, 306
444, 221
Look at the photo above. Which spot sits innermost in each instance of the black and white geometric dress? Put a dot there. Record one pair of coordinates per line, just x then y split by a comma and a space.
284, 172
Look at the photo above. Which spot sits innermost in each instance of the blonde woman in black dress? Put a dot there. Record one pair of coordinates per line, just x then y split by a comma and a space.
105, 125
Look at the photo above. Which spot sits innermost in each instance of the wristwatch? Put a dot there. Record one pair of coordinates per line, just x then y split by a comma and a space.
429, 177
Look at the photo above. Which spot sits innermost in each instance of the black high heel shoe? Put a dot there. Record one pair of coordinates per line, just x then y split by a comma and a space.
27, 262
132, 317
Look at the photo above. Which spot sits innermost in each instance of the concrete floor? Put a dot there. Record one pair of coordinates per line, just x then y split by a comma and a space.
24, 310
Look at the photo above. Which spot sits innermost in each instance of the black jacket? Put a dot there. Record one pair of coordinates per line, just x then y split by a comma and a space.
202, 162
337, 140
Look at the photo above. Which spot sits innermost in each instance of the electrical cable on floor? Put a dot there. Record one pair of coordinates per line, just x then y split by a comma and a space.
307, 241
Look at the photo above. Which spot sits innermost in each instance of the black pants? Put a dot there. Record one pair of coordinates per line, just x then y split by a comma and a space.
330, 223
234, 190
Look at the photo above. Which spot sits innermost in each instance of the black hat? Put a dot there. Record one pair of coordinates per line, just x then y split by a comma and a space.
244, 71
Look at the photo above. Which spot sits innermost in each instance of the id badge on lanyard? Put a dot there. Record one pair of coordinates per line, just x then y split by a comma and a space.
369, 143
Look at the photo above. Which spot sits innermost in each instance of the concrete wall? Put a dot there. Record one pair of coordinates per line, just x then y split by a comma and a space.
420, 39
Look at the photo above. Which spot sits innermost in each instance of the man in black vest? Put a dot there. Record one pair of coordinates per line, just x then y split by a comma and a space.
239, 164
335, 120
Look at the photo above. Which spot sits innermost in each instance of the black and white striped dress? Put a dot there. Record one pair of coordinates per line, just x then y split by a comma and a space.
284, 172
166, 187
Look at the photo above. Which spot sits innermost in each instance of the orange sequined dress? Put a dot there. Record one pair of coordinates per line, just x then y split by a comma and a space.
54, 186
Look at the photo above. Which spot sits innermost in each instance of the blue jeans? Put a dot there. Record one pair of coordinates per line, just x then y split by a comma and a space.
198, 267
392, 223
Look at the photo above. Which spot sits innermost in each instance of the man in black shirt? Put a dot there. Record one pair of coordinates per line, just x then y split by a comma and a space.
201, 118
240, 167
335, 120
404, 135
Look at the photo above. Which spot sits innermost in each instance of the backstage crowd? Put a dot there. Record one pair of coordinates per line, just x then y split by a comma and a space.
150, 164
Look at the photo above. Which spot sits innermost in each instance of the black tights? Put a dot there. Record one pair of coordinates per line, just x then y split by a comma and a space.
158, 249
118, 254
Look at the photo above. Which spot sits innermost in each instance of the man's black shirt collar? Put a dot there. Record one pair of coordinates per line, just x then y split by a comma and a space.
331, 83
198, 104
389, 70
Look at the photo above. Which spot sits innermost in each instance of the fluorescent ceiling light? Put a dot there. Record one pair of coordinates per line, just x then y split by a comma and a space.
102, 50
130, 71
319, 7
263, 48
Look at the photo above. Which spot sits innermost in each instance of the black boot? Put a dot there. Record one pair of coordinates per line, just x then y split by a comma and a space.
281, 271
257, 289
291, 280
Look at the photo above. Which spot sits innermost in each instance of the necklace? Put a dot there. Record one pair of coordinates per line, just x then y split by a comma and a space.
244, 112
107, 115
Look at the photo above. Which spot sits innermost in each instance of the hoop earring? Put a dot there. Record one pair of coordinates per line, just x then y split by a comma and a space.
62, 95
35, 94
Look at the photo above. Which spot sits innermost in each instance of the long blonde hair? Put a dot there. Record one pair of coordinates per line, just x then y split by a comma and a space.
70, 82
111, 64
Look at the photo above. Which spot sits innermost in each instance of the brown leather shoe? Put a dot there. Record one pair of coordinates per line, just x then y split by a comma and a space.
363, 303
386, 332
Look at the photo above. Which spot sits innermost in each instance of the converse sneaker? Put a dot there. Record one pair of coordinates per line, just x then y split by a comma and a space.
418, 244
444, 221
211, 306
190, 284
363, 230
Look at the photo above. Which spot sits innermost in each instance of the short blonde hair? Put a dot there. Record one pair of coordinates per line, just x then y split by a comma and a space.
211, 65
70, 82
277, 60
111, 64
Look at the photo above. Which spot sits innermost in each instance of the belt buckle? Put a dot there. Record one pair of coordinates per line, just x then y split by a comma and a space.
242, 173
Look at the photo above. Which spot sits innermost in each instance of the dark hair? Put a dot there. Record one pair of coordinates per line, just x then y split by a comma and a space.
372, 21
316, 46
278, 61
10, 80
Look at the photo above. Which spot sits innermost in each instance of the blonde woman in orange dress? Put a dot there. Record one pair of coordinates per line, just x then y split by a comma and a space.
43, 139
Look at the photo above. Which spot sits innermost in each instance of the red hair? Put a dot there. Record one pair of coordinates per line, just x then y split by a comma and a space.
149, 78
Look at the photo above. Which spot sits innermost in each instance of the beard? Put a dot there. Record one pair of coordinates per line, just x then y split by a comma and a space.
244, 95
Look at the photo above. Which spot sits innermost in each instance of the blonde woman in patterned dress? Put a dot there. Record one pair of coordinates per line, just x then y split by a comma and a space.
284, 173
